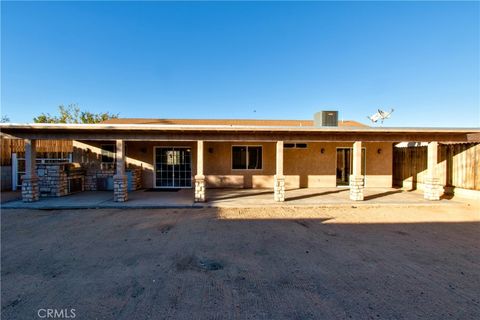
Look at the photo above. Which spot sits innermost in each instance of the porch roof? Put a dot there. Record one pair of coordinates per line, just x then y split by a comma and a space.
136, 132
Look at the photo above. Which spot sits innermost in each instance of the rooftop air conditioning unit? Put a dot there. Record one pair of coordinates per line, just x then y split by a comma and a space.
326, 119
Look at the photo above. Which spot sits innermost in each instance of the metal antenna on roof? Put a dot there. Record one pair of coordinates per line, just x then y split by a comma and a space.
380, 115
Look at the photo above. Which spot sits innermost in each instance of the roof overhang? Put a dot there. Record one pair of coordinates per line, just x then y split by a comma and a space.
157, 132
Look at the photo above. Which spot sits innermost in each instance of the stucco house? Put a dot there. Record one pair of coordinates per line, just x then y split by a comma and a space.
129, 154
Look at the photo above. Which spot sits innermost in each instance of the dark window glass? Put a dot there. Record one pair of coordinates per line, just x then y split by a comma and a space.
301, 145
239, 157
289, 145
254, 157
247, 157
108, 153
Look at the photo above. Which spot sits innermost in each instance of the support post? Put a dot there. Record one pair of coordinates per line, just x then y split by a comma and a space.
120, 183
356, 178
432, 188
199, 177
30, 189
279, 179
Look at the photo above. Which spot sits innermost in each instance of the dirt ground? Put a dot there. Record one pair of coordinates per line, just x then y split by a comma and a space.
292, 263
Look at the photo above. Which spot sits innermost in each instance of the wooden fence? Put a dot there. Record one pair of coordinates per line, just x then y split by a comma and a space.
9, 146
458, 166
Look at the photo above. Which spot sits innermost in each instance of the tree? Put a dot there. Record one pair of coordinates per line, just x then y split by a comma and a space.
73, 114
5, 119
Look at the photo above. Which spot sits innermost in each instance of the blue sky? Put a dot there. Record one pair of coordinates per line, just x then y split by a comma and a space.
244, 60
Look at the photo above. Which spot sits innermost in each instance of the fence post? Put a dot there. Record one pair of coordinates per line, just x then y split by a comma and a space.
14, 172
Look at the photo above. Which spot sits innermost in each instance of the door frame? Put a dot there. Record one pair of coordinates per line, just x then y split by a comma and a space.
364, 167
155, 166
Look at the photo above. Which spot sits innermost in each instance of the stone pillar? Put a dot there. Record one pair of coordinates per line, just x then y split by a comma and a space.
356, 178
199, 177
120, 183
279, 179
30, 189
432, 188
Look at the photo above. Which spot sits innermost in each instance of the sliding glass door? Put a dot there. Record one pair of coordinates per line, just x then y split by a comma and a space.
173, 167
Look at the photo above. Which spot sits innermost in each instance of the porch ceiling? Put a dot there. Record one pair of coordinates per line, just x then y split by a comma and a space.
157, 132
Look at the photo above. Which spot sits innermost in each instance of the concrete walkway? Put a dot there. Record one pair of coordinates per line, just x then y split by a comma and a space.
240, 198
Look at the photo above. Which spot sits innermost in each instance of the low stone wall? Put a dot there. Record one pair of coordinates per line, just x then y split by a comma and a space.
52, 180
136, 178
94, 174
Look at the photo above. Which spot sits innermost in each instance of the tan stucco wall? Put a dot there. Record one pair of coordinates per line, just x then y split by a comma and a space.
312, 168
219, 172
379, 166
302, 167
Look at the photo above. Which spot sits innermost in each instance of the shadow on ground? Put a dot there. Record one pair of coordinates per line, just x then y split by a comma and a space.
297, 264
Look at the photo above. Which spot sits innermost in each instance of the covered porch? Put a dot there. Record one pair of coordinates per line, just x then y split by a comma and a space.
271, 169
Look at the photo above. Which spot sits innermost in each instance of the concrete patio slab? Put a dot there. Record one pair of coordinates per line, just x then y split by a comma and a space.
104, 199
313, 197
240, 198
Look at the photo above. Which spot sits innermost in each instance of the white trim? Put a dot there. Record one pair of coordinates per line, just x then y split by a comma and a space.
245, 145
155, 166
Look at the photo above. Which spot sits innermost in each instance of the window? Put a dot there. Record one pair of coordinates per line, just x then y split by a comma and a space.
239, 158
295, 145
108, 153
254, 157
247, 157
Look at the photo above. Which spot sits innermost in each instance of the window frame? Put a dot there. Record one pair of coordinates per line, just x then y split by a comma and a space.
247, 157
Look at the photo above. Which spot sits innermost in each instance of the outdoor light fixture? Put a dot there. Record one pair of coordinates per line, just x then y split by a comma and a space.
322, 150
210, 150
143, 150
379, 150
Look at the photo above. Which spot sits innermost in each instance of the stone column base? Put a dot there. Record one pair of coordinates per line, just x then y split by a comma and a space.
199, 189
432, 189
279, 188
120, 188
356, 188
30, 189
407, 184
